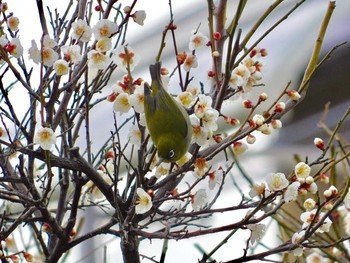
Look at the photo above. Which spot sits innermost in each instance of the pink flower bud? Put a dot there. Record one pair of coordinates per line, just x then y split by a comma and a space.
319, 143
324, 178
253, 52
27, 256
280, 107
217, 35
263, 97
248, 104
293, 95
234, 121
211, 74
263, 52
111, 97
276, 124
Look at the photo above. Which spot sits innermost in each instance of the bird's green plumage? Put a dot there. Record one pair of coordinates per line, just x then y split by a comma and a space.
167, 121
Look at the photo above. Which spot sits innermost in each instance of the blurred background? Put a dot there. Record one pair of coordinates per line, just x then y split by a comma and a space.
289, 48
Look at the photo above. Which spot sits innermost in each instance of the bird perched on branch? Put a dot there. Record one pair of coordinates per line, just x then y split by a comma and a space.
167, 120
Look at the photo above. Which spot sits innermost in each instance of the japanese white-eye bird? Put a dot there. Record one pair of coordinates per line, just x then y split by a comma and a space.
167, 120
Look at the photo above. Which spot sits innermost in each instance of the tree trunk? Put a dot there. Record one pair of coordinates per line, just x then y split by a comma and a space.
130, 248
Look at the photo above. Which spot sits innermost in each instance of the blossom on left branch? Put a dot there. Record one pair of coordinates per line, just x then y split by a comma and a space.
45, 137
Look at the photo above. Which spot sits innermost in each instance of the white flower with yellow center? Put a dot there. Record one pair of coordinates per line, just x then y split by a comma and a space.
45, 137
12, 23
104, 28
71, 53
81, 31
277, 181
136, 100
121, 103
143, 201
302, 170
61, 67
98, 60
104, 44
291, 194
197, 40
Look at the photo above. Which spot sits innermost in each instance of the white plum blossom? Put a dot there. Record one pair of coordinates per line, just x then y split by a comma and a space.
45, 137
104, 45
215, 178
257, 232
277, 181
139, 17
48, 42
190, 62
143, 201
61, 67
194, 88
12, 23
243, 72
309, 204
15, 48
121, 103
47, 55
209, 119
199, 199
136, 99
124, 57
71, 53
257, 190
200, 167
291, 193
235, 81
199, 133
297, 237
258, 119
98, 60
204, 102
104, 28
185, 98
34, 53
330, 192
302, 170
311, 217
81, 31
239, 147
313, 188
315, 258
135, 135
197, 40
93, 191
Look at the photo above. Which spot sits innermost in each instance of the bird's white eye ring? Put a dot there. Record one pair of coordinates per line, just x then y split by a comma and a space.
171, 153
